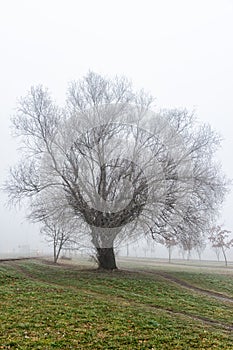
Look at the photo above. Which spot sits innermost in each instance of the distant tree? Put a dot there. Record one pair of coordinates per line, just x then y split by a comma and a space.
59, 227
121, 169
55, 234
61, 232
169, 241
219, 239
187, 245
217, 251
200, 248
192, 242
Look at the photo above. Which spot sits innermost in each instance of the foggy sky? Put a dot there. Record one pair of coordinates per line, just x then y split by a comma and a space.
181, 51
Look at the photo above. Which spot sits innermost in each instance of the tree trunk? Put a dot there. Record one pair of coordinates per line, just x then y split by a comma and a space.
103, 241
225, 257
170, 254
106, 258
54, 252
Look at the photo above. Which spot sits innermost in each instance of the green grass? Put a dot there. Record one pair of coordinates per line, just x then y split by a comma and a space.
44, 306
218, 282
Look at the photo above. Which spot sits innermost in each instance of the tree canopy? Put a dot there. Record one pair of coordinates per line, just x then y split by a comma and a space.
115, 165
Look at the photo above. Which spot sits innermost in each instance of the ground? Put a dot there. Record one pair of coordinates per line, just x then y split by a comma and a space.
145, 305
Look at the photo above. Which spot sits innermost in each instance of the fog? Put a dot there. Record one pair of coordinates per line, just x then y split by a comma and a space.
181, 51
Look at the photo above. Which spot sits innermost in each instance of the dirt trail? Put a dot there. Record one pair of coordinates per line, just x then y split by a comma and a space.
163, 274
184, 284
131, 302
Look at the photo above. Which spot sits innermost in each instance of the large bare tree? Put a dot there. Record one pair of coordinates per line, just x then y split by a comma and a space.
118, 167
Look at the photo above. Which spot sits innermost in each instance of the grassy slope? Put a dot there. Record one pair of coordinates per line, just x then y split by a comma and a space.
64, 307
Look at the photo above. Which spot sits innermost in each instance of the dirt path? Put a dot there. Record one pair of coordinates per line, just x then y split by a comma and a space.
184, 284
130, 302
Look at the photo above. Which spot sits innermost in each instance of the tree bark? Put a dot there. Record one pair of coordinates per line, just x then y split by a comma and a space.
225, 257
169, 254
54, 252
106, 258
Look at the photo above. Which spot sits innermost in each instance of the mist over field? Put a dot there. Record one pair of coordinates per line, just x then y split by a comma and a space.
181, 52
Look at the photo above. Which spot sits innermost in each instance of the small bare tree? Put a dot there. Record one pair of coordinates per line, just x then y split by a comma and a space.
219, 239
201, 247
57, 234
217, 251
120, 169
58, 225
187, 245
192, 242
169, 241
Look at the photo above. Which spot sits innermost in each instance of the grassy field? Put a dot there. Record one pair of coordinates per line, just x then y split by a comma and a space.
141, 306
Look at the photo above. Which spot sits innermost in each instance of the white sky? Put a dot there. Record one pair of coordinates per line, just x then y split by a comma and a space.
179, 50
